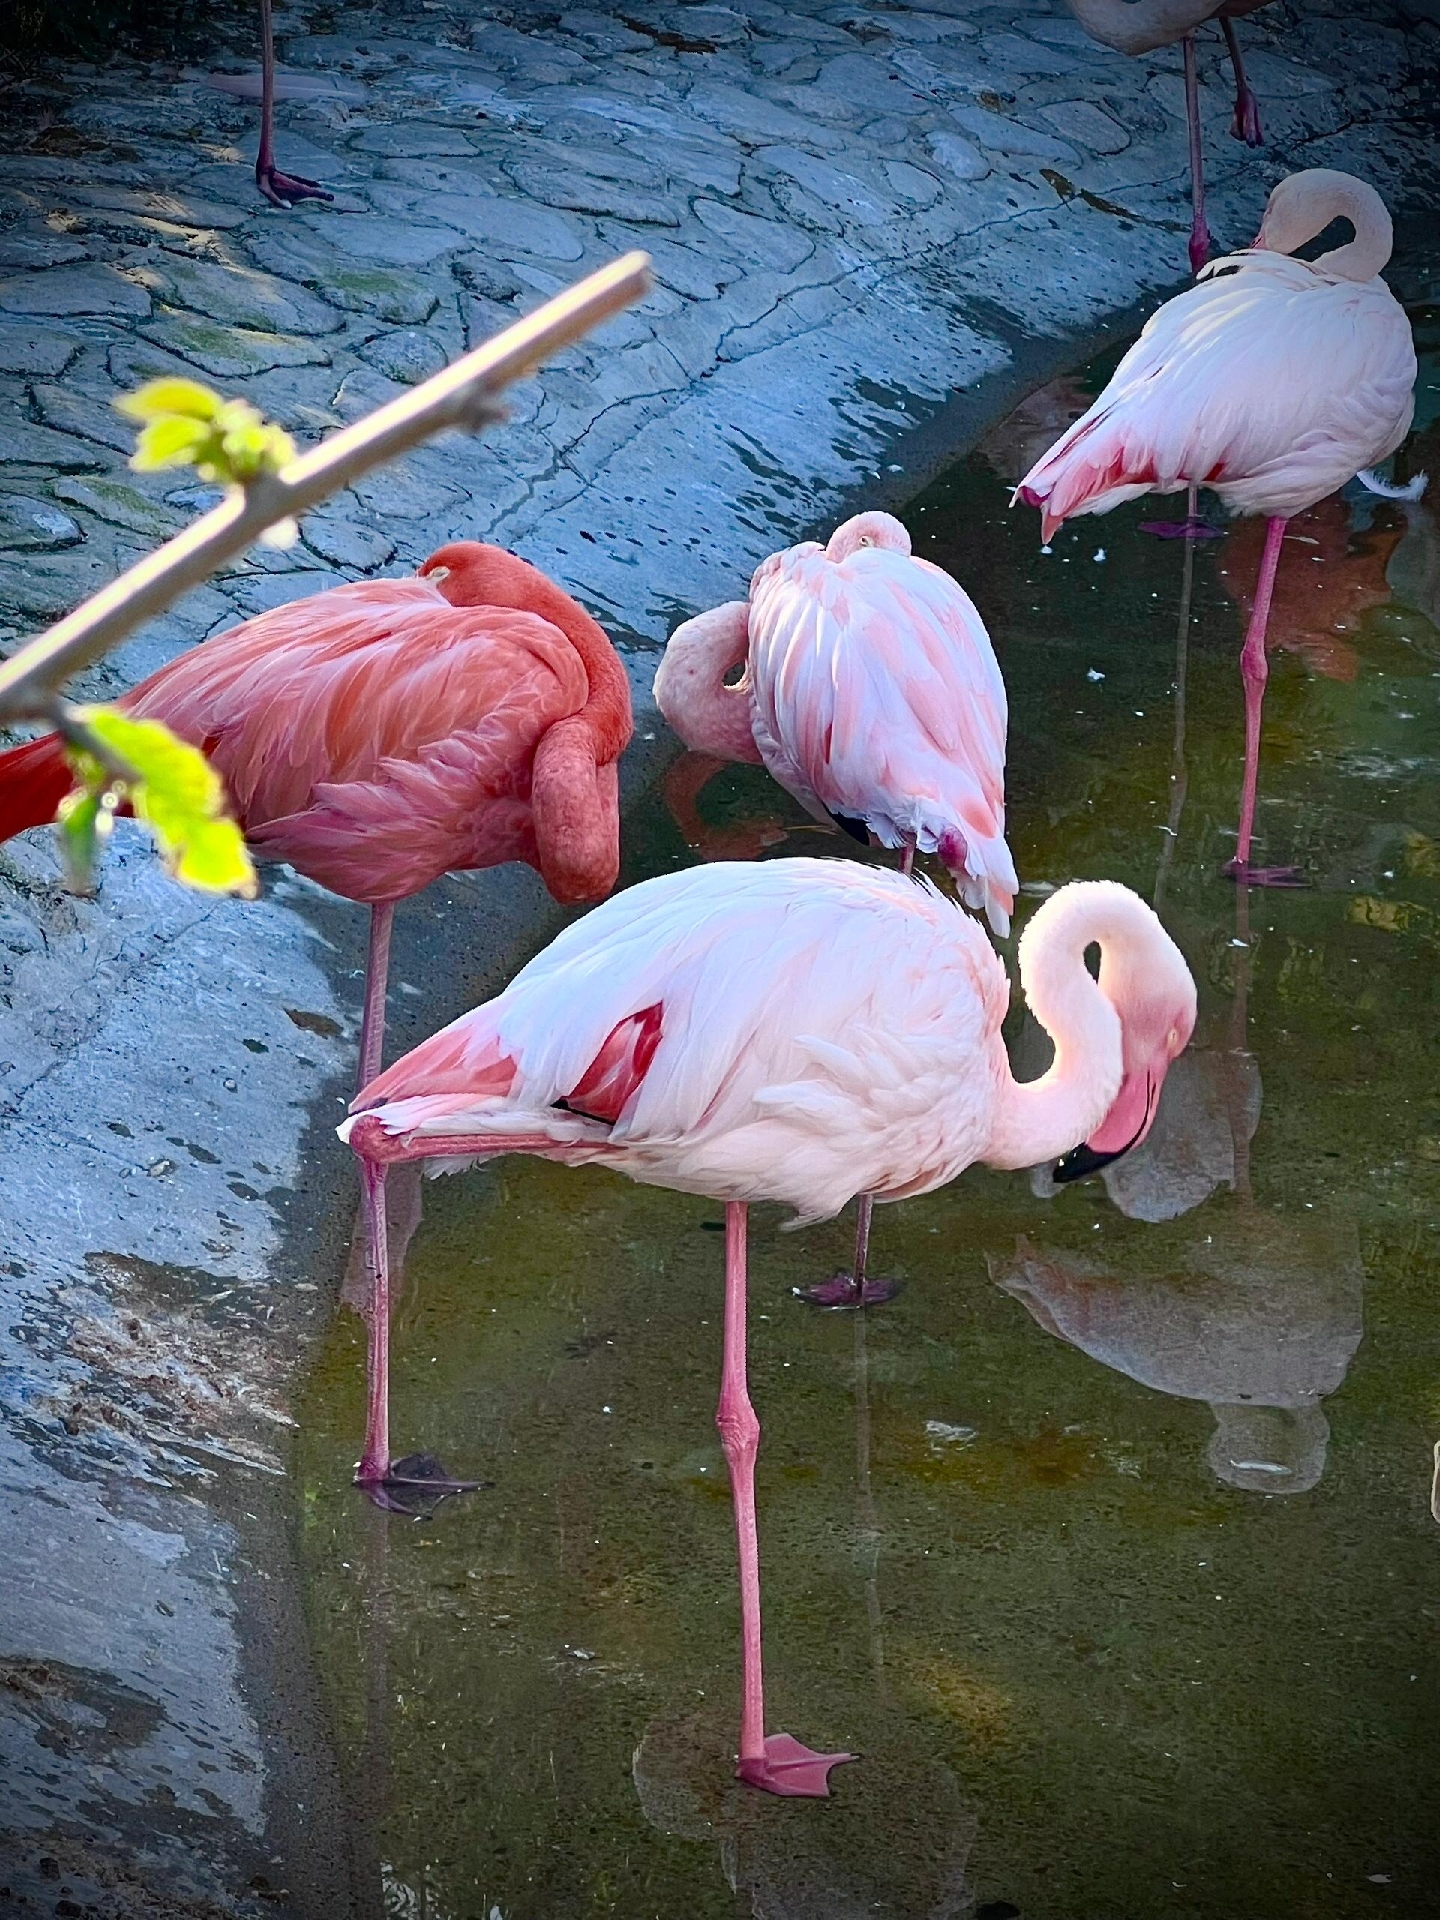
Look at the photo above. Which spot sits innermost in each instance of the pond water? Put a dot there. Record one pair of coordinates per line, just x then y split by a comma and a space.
1108, 1544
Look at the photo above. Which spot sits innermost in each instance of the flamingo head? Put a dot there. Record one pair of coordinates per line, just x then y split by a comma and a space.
867, 530
1154, 995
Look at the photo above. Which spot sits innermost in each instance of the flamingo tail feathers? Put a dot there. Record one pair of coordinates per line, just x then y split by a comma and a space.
34, 779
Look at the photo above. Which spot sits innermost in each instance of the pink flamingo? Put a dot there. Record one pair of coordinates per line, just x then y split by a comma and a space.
380, 734
1139, 26
872, 694
799, 1031
1273, 382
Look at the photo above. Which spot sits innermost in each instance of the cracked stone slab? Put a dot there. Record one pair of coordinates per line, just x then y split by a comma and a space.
31, 348
231, 352
239, 297
71, 291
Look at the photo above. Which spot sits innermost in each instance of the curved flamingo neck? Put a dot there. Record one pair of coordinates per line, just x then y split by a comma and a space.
690, 685
1306, 203
1139, 26
1041, 1119
477, 575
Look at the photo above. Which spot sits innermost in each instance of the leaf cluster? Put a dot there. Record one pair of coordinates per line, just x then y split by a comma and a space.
185, 424
168, 784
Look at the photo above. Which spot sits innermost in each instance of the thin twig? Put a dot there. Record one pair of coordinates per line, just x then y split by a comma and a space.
464, 395
74, 731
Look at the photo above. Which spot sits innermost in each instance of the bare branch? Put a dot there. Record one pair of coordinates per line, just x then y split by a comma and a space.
465, 395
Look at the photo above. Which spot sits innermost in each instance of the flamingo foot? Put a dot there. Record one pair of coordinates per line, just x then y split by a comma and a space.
414, 1485
1246, 123
793, 1771
841, 1293
1244, 875
287, 189
1191, 528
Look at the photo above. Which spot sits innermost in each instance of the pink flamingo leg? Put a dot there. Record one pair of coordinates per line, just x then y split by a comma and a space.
280, 189
377, 973
1246, 124
380, 1477
846, 1291
1200, 242
1254, 671
779, 1764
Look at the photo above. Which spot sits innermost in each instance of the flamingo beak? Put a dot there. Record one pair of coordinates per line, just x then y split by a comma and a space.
1126, 1124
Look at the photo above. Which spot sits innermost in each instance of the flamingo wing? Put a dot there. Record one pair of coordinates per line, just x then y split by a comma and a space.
375, 735
800, 1030
877, 697
1270, 382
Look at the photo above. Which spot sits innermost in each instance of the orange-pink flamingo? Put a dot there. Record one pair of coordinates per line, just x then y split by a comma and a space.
1139, 26
871, 692
380, 734
1273, 382
798, 1031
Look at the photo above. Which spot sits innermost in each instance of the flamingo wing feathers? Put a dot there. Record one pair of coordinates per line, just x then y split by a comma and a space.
364, 733
877, 695
802, 1031
1271, 383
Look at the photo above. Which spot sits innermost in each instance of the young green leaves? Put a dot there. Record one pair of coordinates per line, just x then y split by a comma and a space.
184, 424
169, 785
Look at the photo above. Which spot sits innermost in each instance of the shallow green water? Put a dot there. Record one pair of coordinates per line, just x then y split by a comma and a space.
1109, 1543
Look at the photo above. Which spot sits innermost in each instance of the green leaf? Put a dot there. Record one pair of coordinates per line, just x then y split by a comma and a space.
84, 820
174, 441
159, 397
178, 795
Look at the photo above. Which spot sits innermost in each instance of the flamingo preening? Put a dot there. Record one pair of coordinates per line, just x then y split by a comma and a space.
871, 692
1139, 26
1273, 382
382, 733
798, 1031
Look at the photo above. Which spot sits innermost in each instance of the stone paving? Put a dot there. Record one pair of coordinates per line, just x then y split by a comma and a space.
855, 212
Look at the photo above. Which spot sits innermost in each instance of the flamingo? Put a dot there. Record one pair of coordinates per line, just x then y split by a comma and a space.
385, 732
798, 1031
1139, 26
872, 694
1273, 382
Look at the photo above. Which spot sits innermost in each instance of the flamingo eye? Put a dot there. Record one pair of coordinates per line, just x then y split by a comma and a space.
866, 541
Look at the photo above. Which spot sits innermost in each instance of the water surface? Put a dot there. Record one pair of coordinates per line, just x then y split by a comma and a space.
1109, 1543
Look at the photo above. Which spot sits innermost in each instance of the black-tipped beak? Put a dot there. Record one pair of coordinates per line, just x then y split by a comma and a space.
1083, 1160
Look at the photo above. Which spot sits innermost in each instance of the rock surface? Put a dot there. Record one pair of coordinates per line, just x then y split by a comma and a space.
854, 215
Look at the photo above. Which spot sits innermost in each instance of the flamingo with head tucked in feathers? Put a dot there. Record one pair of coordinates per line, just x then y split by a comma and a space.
872, 693
798, 1031
1273, 382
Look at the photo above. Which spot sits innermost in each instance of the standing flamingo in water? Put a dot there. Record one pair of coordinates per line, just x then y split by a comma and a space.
872, 694
380, 734
1139, 26
1273, 382
799, 1031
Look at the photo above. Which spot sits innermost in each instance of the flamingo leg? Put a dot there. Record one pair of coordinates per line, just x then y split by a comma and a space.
280, 189
1254, 671
377, 974
854, 1289
1200, 242
1246, 124
383, 1480
779, 1764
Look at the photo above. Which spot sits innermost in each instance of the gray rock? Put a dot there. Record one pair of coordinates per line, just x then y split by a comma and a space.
869, 80
412, 139
957, 155
704, 27
557, 186
170, 205
389, 243
47, 585
231, 352
410, 489
833, 186
27, 348
407, 355
1003, 135
602, 33
239, 298
510, 227
92, 289
699, 276
755, 121
347, 544
487, 277
766, 243
913, 183
121, 503
30, 250
35, 526
1087, 125
362, 390
258, 592
73, 412
24, 444
381, 292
